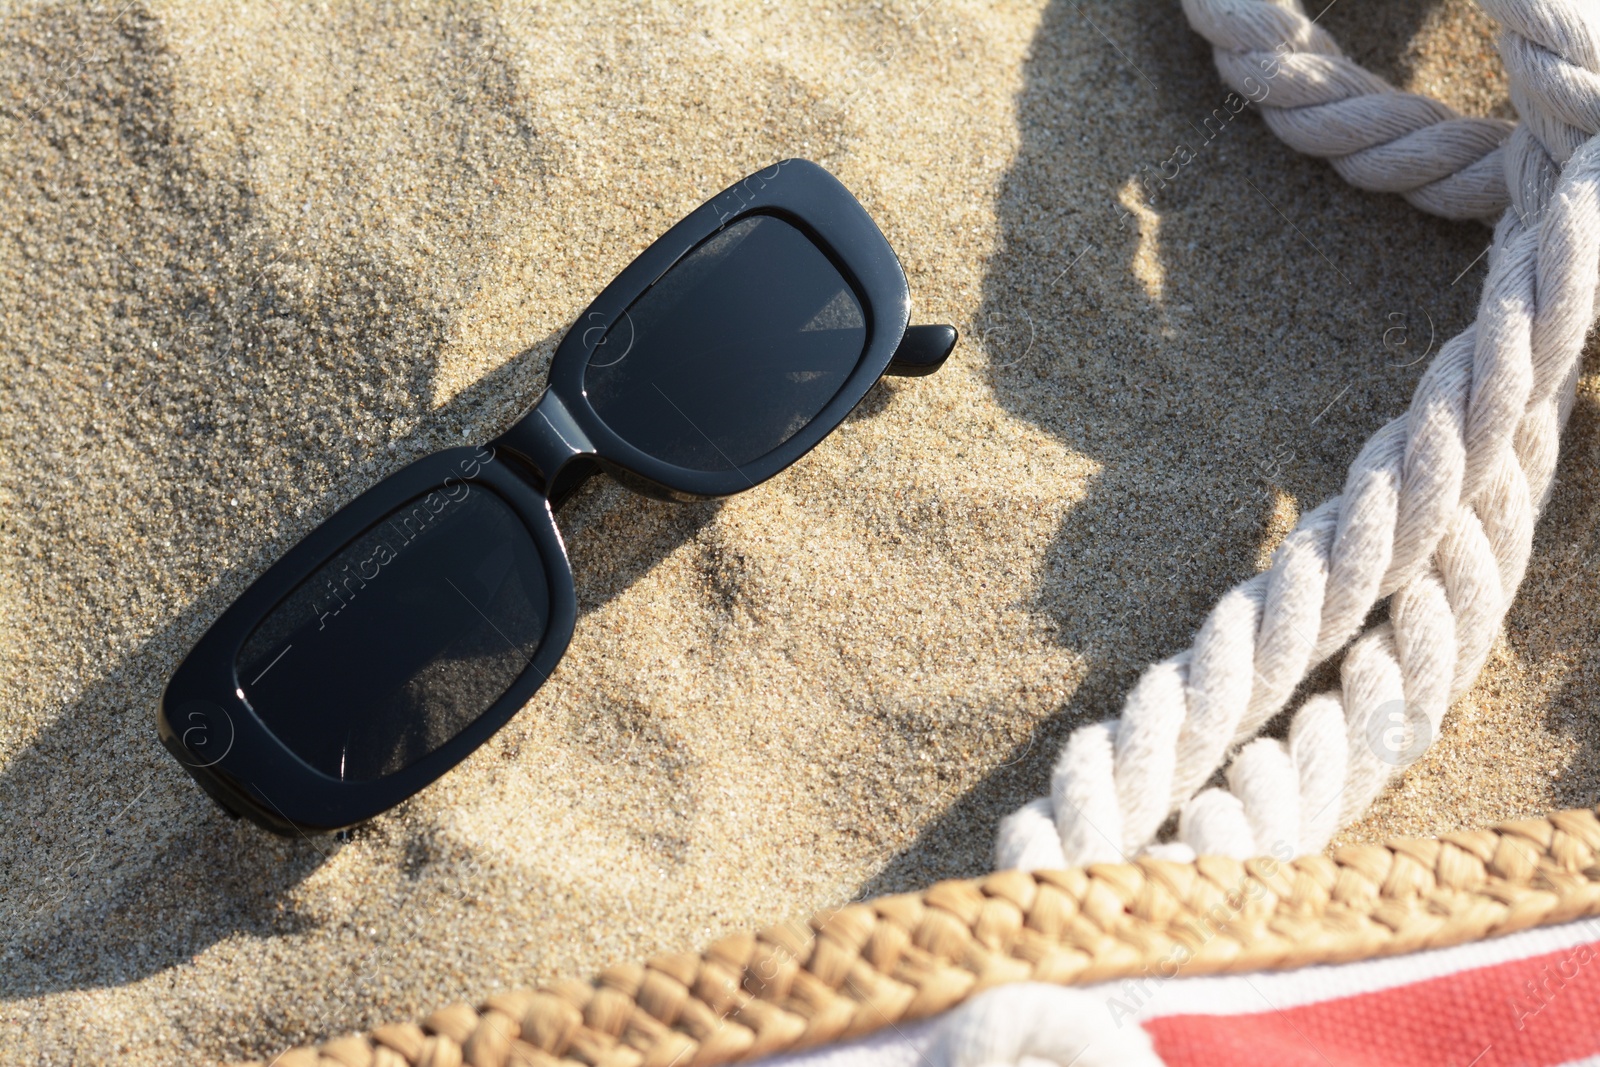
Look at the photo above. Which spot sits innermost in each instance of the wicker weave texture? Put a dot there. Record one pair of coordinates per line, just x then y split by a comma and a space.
850, 971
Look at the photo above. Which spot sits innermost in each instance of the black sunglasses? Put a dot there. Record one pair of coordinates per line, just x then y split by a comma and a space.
409, 627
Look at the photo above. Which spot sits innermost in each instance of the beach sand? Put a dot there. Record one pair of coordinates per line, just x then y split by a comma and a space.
255, 257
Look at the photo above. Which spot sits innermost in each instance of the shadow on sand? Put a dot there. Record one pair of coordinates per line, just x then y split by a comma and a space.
1249, 303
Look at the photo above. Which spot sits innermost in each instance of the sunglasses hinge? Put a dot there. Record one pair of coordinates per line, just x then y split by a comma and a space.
546, 439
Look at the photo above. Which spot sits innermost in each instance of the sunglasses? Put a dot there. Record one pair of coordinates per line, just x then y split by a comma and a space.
401, 633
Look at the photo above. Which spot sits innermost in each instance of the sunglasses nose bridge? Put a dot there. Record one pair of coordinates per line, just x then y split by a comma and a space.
546, 439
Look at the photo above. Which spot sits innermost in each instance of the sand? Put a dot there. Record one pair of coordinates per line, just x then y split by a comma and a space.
255, 257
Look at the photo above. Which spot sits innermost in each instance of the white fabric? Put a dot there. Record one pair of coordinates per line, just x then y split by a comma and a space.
1069, 1027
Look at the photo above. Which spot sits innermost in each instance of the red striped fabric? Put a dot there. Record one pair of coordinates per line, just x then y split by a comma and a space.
1530, 999
1537, 1011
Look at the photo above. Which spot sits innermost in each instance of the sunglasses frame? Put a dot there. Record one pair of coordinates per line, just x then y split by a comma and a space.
202, 716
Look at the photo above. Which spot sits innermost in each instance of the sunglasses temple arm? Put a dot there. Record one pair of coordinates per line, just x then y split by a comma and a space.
922, 350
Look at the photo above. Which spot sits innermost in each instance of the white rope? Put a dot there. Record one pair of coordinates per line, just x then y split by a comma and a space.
1437, 512
1320, 103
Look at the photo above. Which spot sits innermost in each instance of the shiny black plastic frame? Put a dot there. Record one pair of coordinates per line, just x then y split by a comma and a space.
202, 716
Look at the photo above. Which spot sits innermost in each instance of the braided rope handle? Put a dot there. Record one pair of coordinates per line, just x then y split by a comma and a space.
1436, 515
897, 959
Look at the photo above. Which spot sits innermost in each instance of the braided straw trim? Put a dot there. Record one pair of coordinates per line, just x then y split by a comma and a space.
862, 967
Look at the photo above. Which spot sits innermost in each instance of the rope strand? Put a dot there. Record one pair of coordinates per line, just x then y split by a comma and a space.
1437, 515
1321, 104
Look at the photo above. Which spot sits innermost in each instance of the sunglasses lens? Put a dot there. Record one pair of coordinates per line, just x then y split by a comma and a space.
403, 639
731, 352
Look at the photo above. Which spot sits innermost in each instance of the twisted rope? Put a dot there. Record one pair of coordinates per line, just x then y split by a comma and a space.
857, 969
1437, 515
1320, 103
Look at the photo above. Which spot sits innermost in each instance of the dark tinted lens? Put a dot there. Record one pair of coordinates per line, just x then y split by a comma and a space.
732, 351
404, 639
